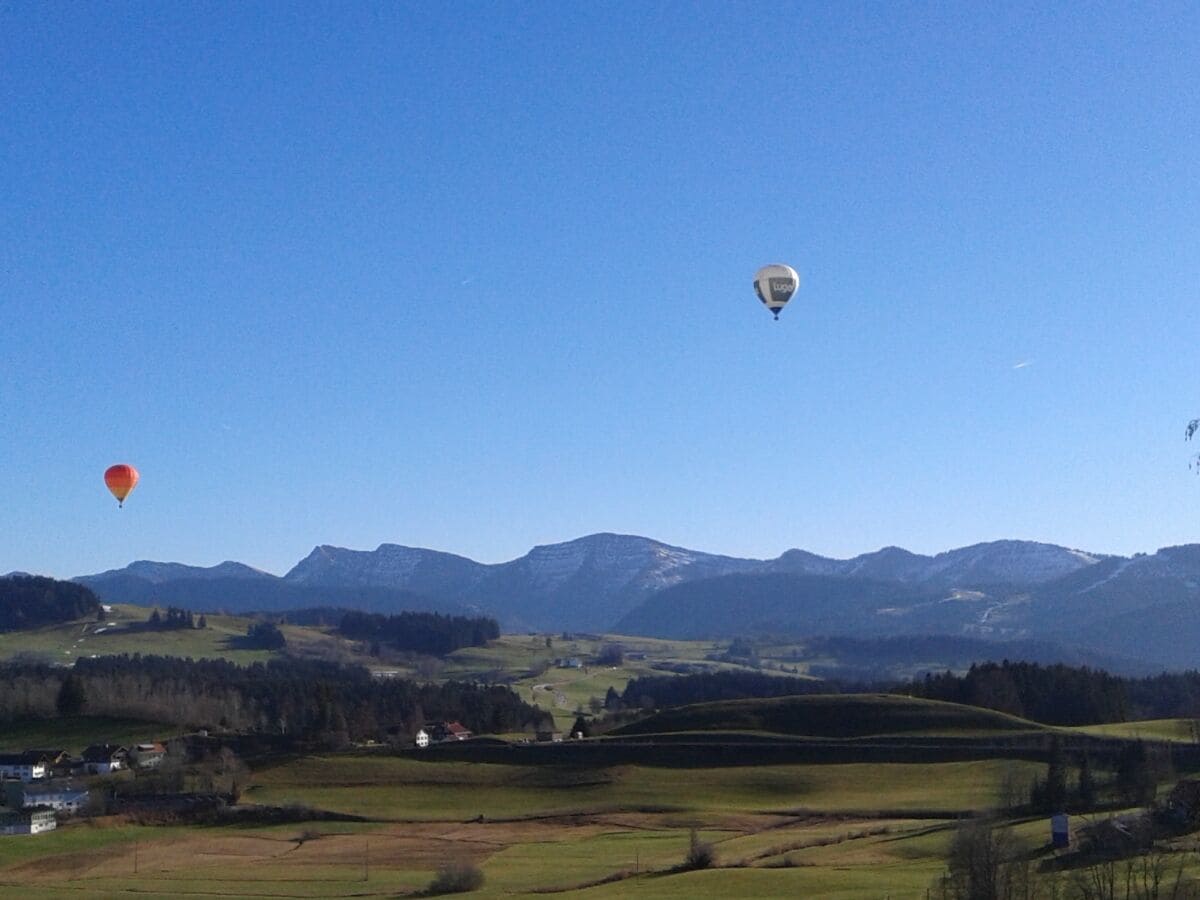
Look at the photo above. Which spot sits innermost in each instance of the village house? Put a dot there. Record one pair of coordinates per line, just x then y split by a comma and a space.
25, 766
147, 756
102, 759
27, 821
60, 797
549, 737
440, 733
57, 761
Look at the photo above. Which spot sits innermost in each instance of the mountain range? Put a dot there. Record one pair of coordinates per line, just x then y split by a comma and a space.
1139, 607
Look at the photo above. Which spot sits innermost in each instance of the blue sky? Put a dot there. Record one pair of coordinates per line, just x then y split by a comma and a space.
477, 277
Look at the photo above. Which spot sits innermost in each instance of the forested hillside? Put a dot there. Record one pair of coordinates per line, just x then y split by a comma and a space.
1065, 695
303, 698
1048, 694
419, 632
29, 601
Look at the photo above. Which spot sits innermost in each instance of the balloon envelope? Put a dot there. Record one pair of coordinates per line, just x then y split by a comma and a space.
775, 284
121, 479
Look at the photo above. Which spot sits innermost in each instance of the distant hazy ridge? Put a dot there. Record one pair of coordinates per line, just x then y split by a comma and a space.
1139, 606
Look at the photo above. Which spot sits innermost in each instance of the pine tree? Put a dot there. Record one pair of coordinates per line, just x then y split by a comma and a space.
1056, 779
1087, 784
71, 696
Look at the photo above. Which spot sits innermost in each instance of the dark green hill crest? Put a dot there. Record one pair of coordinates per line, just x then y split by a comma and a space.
831, 716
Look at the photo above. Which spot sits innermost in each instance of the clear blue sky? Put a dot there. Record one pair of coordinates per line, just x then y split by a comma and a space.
477, 276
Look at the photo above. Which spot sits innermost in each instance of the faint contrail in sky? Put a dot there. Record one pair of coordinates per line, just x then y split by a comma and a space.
1023, 363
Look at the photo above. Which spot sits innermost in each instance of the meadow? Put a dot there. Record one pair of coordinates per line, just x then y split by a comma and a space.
829, 831
577, 826
775, 831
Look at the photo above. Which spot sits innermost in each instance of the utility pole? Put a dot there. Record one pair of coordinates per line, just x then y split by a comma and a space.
366, 859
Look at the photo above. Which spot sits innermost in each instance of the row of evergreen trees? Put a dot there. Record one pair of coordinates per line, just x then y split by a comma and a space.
1051, 694
304, 698
679, 690
1073, 783
1065, 695
30, 601
1054, 695
176, 617
420, 632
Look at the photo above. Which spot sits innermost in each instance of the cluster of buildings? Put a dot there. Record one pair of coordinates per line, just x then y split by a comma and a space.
34, 790
440, 733
449, 732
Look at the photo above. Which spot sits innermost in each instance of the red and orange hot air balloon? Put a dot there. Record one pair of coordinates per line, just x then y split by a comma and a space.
121, 479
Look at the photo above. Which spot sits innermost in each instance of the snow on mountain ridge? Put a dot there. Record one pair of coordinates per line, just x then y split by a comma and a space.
625, 559
388, 565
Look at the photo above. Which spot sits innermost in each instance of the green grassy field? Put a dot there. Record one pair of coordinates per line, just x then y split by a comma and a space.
67, 642
834, 830
1186, 731
408, 789
120, 633
776, 831
526, 664
75, 733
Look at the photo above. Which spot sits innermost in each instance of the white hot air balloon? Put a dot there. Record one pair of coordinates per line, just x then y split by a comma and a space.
775, 284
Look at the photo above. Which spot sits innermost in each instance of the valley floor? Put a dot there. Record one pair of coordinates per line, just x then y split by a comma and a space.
836, 831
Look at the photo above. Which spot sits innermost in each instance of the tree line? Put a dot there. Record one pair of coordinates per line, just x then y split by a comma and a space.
1051, 694
661, 691
1054, 695
30, 601
1066, 695
305, 698
419, 632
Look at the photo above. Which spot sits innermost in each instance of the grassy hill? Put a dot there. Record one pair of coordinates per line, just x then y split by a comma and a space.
123, 631
832, 716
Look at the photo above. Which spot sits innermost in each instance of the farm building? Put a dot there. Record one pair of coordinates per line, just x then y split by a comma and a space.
57, 761
440, 732
27, 766
26, 821
101, 759
147, 756
61, 797
549, 737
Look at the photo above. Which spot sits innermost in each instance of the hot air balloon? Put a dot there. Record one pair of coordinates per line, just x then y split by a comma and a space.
121, 479
775, 284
